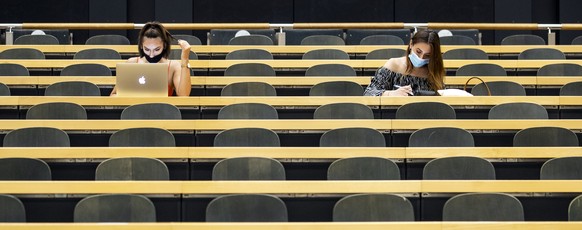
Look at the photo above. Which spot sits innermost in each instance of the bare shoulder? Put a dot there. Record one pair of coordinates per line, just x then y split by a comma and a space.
396, 64
133, 60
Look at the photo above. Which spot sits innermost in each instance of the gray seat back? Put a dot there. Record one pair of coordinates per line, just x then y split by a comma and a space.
248, 111
337, 88
352, 137
466, 54
12, 69
499, 88
343, 111
246, 208
425, 110
4, 90
57, 110
22, 53
326, 54
363, 168
86, 69
331, 70
373, 207
248, 168
115, 208
483, 207
571, 89
382, 40
107, 39
560, 69
575, 209
248, 89
457, 40
176, 54
481, 69
247, 137
98, 54
11, 209
72, 88
253, 39
142, 137
149, 111
518, 110
541, 54
45, 39
323, 40
545, 136
459, 168
441, 137
18, 168
523, 39
249, 69
385, 54
255, 54
37, 137
132, 168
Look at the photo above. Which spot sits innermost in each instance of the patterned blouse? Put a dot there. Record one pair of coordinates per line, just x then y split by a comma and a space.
385, 79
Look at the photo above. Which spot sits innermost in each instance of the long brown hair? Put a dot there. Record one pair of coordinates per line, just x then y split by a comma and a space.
155, 30
436, 69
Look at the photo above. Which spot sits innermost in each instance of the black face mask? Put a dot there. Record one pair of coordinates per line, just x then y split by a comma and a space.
154, 59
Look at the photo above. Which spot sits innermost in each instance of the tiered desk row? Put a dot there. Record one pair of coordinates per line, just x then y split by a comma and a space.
308, 196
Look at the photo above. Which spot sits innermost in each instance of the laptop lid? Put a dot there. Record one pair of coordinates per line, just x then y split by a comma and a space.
142, 80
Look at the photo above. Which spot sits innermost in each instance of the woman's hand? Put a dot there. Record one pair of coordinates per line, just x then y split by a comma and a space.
402, 91
185, 49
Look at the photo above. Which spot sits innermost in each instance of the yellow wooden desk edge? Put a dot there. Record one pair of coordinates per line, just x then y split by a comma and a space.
281, 63
291, 124
424, 225
289, 152
286, 81
290, 187
289, 100
293, 49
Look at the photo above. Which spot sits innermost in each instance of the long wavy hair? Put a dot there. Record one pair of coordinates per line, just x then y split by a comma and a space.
155, 30
436, 69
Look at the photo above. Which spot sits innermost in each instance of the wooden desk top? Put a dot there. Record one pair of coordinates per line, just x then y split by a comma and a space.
132, 49
199, 125
424, 225
289, 100
199, 153
289, 124
289, 63
285, 81
290, 187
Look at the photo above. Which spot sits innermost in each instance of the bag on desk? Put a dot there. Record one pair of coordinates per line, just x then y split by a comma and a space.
463, 92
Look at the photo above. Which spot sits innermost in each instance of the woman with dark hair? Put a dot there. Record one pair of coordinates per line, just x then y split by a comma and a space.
421, 70
154, 45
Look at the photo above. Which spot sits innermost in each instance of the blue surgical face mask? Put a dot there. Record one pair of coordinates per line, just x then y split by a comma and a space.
416, 61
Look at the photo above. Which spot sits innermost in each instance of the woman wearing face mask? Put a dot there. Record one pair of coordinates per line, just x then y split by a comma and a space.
421, 69
154, 46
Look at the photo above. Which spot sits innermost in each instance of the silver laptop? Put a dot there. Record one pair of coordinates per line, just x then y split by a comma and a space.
142, 80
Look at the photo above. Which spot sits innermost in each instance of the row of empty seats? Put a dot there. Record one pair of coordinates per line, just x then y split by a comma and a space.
345, 110
269, 208
263, 168
261, 137
261, 54
308, 37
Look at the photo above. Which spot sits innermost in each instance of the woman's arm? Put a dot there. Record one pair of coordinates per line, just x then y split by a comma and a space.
181, 80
